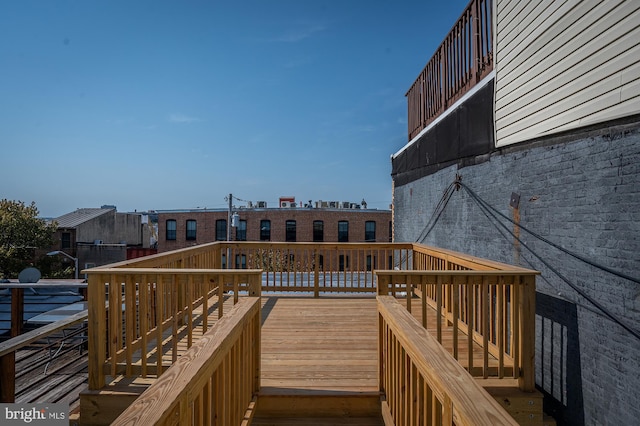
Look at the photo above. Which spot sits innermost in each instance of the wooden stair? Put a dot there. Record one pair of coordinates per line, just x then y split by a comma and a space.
316, 408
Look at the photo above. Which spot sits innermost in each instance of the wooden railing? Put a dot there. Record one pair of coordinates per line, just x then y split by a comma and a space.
151, 310
317, 267
292, 267
166, 298
421, 382
50, 341
492, 309
462, 60
214, 383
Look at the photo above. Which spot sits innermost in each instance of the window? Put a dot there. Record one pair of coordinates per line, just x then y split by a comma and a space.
370, 231
241, 231
221, 230
66, 240
371, 262
241, 261
290, 231
191, 229
344, 262
265, 230
171, 229
318, 231
390, 231
343, 231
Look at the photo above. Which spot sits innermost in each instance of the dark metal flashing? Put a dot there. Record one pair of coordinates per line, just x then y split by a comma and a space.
474, 147
466, 132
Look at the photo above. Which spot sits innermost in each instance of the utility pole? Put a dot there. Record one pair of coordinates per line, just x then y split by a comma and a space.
228, 255
229, 217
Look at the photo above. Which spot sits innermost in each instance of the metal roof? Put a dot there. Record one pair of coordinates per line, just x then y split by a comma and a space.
80, 216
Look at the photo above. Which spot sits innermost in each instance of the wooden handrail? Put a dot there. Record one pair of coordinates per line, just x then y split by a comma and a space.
493, 308
421, 382
223, 366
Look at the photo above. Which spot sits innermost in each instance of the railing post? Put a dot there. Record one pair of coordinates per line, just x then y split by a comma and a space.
97, 331
8, 378
17, 311
526, 380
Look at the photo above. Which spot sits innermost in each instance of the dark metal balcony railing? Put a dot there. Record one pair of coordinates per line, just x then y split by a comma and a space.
463, 59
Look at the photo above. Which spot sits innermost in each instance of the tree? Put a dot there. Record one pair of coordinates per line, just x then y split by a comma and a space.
21, 233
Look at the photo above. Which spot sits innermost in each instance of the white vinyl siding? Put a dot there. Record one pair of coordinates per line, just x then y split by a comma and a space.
561, 65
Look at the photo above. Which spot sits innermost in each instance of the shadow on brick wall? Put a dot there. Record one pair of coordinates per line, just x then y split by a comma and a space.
558, 354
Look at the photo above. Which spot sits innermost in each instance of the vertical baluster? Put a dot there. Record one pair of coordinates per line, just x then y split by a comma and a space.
115, 326
159, 320
455, 288
471, 315
174, 316
515, 326
485, 326
130, 320
190, 301
439, 308
221, 284
143, 296
500, 336
423, 301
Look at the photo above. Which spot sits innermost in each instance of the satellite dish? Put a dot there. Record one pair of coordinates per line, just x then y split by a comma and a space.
29, 275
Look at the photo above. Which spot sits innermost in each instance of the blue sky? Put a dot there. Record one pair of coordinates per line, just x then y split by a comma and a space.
152, 105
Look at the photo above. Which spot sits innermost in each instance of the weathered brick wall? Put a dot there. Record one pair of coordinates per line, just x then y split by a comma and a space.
583, 194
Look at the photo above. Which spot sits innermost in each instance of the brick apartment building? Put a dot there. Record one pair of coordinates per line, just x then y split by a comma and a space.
322, 222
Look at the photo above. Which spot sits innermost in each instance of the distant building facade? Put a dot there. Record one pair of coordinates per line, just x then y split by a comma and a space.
342, 222
98, 236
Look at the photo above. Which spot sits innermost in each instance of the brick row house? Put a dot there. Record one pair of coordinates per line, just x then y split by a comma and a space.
184, 228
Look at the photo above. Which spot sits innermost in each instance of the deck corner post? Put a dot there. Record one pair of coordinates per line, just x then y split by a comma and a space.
8, 378
97, 330
526, 379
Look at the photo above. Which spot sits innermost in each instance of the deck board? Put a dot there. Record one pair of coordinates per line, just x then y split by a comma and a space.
330, 343
326, 343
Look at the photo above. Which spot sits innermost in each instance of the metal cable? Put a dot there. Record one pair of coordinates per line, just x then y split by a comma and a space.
570, 253
487, 209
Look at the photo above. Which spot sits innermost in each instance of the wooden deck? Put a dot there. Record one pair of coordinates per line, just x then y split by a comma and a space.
330, 343
51, 374
319, 359
327, 344
320, 355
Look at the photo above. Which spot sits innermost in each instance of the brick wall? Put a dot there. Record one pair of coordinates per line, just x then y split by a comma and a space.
583, 193
304, 217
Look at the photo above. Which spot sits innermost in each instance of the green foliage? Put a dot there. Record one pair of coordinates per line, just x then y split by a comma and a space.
271, 260
21, 233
